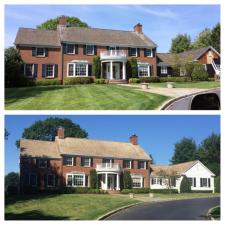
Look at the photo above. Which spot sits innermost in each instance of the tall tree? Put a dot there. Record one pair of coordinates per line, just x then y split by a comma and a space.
11, 179
203, 39
47, 129
51, 24
180, 43
185, 150
215, 37
209, 153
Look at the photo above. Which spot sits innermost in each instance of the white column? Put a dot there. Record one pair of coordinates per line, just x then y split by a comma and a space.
84, 180
101, 71
149, 72
124, 71
106, 181
117, 182
111, 70
86, 69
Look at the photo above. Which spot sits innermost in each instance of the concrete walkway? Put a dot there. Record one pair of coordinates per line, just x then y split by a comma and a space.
170, 92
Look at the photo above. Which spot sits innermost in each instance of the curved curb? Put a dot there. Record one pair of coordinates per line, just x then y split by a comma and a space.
209, 213
117, 210
165, 105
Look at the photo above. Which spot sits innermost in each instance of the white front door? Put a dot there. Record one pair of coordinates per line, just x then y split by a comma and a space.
116, 71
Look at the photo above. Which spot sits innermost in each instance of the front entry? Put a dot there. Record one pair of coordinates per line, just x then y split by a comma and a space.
116, 71
111, 182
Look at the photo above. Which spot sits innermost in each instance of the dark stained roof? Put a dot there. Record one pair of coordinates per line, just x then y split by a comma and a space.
26, 36
194, 54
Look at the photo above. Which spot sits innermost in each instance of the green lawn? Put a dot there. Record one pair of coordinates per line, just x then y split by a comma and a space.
200, 85
63, 207
95, 97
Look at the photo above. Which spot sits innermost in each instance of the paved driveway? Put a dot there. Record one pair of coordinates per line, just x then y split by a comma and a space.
189, 209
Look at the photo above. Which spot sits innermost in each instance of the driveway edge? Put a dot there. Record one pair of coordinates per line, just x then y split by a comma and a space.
117, 210
165, 105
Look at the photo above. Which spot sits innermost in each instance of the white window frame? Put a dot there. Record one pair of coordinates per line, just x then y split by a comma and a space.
72, 160
142, 65
33, 174
32, 75
164, 69
205, 178
93, 49
46, 163
144, 164
70, 53
151, 53
74, 69
137, 177
43, 52
89, 163
53, 180
68, 66
53, 74
73, 175
157, 181
135, 54
129, 163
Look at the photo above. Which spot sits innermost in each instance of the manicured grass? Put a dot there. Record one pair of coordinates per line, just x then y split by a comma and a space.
63, 207
95, 97
200, 85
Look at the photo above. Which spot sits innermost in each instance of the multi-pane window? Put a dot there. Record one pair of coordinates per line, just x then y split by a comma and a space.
78, 180
71, 70
148, 52
137, 182
69, 180
157, 180
86, 161
90, 49
43, 163
133, 51
29, 70
163, 69
68, 160
190, 181
49, 72
81, 69
70, 49
173, 181
203, 182
142, 164
40, 52
127, 164
51, 180
143, 70
33, 180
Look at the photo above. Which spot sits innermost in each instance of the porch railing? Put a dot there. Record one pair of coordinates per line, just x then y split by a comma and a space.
107, 166
113, 53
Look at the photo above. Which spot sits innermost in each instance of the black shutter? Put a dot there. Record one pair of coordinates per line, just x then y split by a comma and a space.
38, 180
194, 182
48, 163
107, 48
129, 52
64, 160
56, 70
160, 181
34, 52
112, 160
89, 70
138, 52
145, 55
123, 163
35, 70
43, 70
95, 50
56, 180
22, 69
138, 164
91, 162
84, 49
76, 49
46, 52
74, 160
82, 161
132, 164
200, 182
154, 52
45, 180
117, 48
64, 49
37, 162
209, 184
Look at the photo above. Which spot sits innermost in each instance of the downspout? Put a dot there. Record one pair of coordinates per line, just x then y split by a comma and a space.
62, 63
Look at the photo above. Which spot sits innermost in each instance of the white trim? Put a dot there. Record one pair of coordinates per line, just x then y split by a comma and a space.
151, 55
68, 64
137, 176
136, 52
24, 70
74, 63
53, 180
44, 55
73, 175
89, 165
143, 65
164, 69
53, 74
130, 164
74, 49
145, 163
72, 160
93, 52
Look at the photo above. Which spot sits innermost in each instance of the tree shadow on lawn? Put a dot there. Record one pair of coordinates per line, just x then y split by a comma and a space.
33, 215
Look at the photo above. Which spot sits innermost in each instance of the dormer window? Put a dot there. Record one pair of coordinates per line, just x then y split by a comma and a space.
90, 49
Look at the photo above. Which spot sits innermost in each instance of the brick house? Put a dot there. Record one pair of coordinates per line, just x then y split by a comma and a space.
207, 56
69, 52
68, 162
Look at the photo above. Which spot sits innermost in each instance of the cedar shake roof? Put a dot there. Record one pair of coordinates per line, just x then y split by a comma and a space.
171, 169
36, 148
83, 147
194, 54
28, 36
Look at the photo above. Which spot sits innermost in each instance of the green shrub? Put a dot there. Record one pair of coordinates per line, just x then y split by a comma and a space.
185, 186
135, 191
127, 181
12, 190
78, 80
164, 191
100, 81
96, 67
47, 82
199, 73
134, 80
93, 179
149, 80
217, 184
175, 79
202, 191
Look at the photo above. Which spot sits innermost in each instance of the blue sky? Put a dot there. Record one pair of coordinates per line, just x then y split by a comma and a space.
160, 22
157, 133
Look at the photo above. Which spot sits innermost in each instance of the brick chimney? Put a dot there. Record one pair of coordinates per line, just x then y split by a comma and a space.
60, 133
134, 139
138, 28
62, 21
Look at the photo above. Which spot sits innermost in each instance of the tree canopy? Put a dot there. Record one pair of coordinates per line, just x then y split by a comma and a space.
51, 24
11, 179
46, 130
215, 37
203, 39
181, 43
